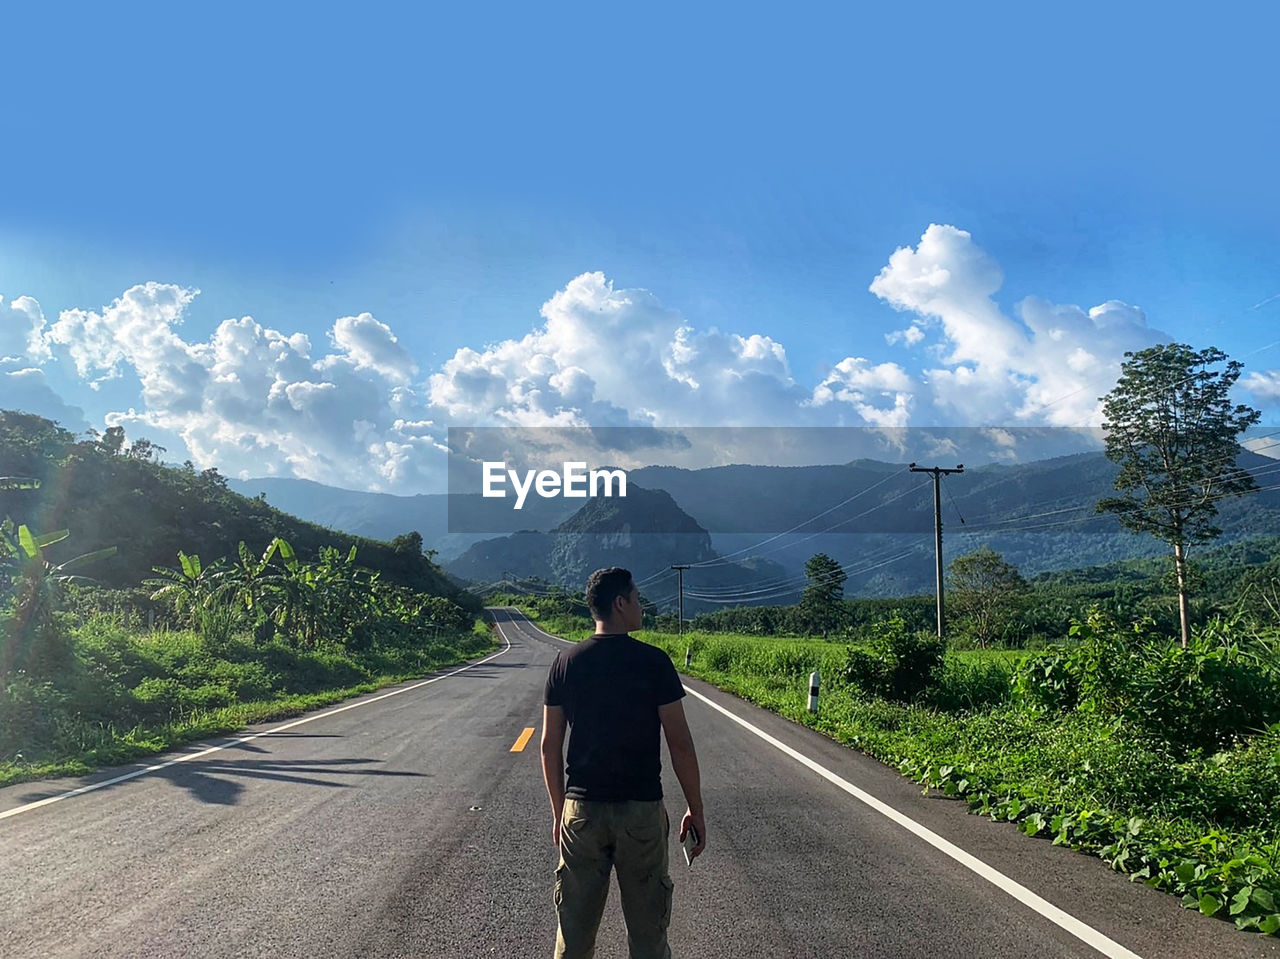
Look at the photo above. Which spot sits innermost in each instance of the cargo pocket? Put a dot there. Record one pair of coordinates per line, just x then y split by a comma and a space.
557, 896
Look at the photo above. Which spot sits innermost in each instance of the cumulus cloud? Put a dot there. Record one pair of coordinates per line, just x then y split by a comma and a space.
612, 357
1048, 366
136, 331
909, 337
1265, 385
22, 332
353, 409
252, 400
881, 394
370, 345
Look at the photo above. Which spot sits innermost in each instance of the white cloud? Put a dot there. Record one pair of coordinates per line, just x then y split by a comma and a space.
910, 336
609, 357
136, 331
252, 400
22, 332
1265, 385
856, 382
370, 345
1049, 369
354, 411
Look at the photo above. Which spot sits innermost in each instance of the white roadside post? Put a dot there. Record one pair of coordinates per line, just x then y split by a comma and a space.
813, 692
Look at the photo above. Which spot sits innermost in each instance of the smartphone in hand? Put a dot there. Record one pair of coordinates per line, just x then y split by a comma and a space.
690, 841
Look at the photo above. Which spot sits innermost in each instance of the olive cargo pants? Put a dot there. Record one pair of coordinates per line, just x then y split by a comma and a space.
596, 837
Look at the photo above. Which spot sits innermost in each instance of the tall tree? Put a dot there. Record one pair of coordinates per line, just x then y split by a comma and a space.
823, 596
1172, 428
986, 591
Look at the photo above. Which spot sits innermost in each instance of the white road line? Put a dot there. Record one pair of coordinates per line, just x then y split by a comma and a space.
1082, 931
246, 739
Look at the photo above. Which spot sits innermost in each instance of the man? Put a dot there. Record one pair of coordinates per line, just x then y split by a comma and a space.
614, 693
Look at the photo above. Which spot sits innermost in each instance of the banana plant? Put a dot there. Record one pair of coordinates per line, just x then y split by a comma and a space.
31, 577
250, 581
296, 599
190, 588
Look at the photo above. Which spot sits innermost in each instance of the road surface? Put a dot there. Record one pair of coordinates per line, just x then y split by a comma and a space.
404, 824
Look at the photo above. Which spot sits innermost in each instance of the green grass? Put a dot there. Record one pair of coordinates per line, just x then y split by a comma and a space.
131, 696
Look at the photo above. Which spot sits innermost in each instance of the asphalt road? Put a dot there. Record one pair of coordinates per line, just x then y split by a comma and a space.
403, 824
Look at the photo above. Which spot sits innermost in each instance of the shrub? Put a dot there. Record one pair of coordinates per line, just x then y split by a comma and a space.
28, 715
866, 672
906, 661
1204, 696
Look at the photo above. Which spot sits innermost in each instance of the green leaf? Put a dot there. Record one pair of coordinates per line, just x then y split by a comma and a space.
1263, 899
1270, 923
85, 558
28, 543
1209, 905
48, 539
1240, 901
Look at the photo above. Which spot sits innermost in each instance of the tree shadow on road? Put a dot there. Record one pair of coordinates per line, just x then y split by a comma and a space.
216, 781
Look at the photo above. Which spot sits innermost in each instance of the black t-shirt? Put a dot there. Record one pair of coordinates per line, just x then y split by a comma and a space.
610, 688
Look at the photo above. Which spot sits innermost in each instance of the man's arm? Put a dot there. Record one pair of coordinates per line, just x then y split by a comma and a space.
553, 726
684, 760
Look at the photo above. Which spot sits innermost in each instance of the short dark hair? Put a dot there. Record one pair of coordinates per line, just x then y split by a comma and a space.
604, 586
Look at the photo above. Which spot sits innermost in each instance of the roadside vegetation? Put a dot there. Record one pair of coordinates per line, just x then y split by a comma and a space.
1114, 739
109, 676
138, 660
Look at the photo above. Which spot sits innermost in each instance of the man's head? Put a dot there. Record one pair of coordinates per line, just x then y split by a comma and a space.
614, 600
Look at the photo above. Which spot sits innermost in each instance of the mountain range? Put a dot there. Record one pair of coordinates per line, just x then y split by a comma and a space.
753, 527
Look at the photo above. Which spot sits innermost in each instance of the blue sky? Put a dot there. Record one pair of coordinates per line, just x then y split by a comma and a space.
525, 216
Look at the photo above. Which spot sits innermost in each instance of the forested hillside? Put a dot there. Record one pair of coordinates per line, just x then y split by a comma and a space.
109, 492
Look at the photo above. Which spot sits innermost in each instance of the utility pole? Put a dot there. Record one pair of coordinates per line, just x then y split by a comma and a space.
937, 472
680, 579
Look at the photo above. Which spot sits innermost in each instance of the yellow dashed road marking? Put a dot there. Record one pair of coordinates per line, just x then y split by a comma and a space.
523, 740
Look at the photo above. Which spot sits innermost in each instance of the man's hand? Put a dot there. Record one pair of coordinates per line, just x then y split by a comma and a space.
684, 760
699, 826
555, 831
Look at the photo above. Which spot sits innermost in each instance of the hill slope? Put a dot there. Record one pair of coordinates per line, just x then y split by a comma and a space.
149, 511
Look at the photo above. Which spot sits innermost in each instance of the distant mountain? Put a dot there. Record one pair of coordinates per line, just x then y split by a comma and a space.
384, 516
875, 518
645, 531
